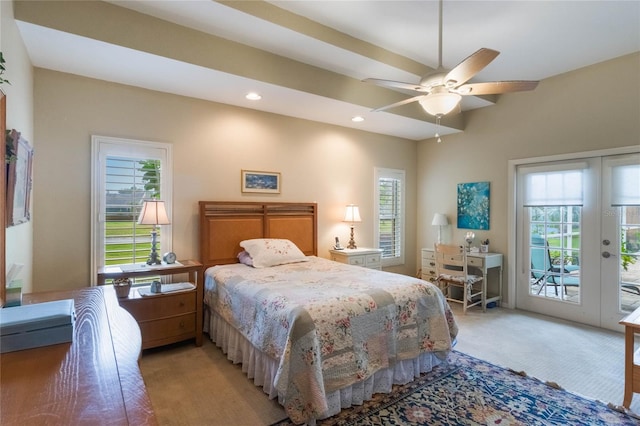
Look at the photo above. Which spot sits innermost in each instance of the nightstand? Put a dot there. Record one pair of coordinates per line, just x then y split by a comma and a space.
166, 317
365, 257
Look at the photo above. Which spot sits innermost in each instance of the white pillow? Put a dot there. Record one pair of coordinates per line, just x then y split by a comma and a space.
267, 252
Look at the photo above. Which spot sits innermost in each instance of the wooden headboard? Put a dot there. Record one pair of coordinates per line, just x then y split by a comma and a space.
224, 224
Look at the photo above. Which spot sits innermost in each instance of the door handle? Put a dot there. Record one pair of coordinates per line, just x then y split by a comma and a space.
607, 255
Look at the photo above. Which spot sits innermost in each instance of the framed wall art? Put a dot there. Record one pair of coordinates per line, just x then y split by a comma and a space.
473, 205
20, 158
263, 182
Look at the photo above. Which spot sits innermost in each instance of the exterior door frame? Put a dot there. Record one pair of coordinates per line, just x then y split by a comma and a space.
509, 296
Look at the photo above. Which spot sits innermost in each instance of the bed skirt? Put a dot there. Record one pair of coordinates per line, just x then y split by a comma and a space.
262, 368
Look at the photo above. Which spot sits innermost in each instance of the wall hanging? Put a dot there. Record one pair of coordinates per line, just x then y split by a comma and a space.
473, 205
264, 182
19, 159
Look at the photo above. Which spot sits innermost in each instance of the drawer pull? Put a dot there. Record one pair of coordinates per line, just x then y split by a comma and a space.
181, 324
181, 303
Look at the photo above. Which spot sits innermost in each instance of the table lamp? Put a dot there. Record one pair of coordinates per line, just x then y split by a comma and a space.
153, 213
352, 214
440, 220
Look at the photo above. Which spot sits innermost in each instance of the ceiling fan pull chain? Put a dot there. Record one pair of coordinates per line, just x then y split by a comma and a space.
438, 117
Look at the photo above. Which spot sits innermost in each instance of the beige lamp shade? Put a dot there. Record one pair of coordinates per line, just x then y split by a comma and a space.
153, 213
352, 214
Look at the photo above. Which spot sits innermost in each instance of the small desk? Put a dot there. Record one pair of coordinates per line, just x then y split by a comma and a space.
631, 369
93, 380
485, 262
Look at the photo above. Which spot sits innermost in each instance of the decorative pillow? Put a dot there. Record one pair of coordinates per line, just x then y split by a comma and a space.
267, 252
245, 258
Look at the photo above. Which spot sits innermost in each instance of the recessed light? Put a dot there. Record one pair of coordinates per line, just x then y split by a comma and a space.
253, 96
357, 119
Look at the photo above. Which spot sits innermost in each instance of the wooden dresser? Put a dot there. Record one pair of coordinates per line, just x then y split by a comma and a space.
93, 380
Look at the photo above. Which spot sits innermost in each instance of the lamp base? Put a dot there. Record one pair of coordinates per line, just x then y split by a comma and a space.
352, 242
154, 258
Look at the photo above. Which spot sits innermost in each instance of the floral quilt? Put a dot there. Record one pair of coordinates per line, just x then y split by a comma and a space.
329, 324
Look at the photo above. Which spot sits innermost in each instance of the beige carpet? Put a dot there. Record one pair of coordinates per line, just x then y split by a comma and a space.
191, 385
199, 386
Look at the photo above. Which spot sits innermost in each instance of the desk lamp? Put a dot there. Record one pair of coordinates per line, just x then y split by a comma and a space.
439, 220
153, 213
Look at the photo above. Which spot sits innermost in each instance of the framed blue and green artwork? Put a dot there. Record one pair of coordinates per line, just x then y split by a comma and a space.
473, 205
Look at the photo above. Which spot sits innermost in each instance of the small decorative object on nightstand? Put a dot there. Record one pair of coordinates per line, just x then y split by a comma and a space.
367, 257
169, 258
122, 286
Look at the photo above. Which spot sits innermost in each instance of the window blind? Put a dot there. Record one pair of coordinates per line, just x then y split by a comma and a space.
625, 180
128, 182
390, 217
556, 185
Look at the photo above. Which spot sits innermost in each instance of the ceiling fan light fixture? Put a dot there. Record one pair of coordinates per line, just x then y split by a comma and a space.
439, 104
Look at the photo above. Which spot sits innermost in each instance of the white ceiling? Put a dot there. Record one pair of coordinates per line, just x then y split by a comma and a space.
537, 40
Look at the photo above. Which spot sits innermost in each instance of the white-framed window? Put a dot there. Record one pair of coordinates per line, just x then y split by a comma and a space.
125, 172
390, 214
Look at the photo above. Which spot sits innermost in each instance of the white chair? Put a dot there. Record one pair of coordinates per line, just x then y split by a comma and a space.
451, 270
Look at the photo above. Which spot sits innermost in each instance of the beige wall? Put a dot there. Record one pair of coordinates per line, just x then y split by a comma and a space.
588, 109
593, 108
330, 165
19, 244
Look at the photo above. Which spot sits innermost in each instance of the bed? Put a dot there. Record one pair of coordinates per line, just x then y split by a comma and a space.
316, 334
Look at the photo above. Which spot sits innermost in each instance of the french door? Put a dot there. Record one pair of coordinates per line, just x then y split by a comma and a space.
578, 233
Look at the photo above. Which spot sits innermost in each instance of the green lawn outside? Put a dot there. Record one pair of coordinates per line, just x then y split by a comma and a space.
122, 252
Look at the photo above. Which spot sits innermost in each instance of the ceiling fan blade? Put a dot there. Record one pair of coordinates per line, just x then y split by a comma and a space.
496, 87
397, 104
396, 84
470, 66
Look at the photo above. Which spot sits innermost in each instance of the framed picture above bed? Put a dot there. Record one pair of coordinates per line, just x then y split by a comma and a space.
20, 159
262, 182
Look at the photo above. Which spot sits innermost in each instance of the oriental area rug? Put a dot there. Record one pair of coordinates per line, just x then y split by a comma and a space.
469, 391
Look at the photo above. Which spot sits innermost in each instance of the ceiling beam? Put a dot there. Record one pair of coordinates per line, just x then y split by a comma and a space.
127, 28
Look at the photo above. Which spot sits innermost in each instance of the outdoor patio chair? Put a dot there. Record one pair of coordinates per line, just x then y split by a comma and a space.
545, 273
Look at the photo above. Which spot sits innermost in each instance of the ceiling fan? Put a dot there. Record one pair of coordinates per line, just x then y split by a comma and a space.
441, 90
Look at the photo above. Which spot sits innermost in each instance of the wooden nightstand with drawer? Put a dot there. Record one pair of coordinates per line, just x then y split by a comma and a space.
164, 317
366, 257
